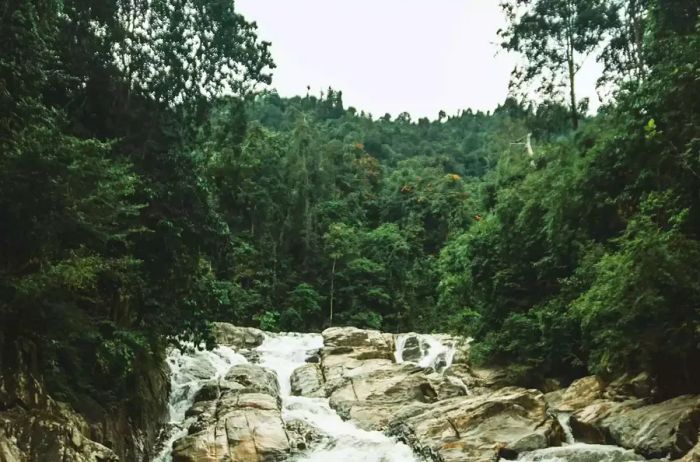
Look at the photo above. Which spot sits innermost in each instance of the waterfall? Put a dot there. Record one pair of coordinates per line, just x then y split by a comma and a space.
189, 371
281, 353
424, 350
343, 440
564, 419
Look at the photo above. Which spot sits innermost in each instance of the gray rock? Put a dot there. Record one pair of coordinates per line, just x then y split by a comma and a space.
237, 337
669, 428
414, 349
479, 428
358, 338
237, 419
307, 380
578, 395
619, 413
581, 453
253, 379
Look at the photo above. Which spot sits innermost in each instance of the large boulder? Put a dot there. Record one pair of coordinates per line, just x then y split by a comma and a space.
365, 384
253, 379
479, 428
581, 453
640, 386
307, 380
371, 391
622, 412
237, 337
578, 395
666, 429
360, 343
240, 433
236, 419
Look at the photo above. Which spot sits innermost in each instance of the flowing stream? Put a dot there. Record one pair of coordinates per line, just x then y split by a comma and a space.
342, 440
188, 373
283, 353
429, 350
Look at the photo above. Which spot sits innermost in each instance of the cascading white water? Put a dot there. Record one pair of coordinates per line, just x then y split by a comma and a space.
281, 353
188, 374
433, 352
344, 441
564, 419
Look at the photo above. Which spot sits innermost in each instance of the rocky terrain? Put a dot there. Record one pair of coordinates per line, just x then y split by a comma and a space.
36, 427
354, 395
429, 399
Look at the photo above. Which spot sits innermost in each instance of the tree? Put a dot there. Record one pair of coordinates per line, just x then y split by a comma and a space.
340, 242
623, 56
555, 37
648, 290
112, 241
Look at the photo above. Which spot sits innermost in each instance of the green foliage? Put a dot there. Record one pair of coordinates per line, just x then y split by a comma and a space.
146, 190
555, 37
648, 289
111, 238
586, 259
304, 304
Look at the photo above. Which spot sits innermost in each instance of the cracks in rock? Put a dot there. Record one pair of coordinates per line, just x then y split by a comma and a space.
228, 445
354, 392
252, 436
454, 427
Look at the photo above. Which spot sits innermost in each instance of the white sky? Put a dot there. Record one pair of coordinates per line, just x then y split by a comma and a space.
418, 56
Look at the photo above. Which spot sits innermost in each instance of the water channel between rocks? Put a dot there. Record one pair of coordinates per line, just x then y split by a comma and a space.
283, 353
337, 440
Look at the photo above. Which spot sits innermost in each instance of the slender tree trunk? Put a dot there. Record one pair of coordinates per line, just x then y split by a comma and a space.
528, 147
571, 63
274, 267
330, 318
572, 90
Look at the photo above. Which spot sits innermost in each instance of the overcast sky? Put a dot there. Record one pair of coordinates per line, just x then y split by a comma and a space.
391, 56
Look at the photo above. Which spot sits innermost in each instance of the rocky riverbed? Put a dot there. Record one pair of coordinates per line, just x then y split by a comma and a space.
350, 395
362, 395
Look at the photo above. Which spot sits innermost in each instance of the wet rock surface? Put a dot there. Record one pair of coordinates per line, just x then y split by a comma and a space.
237, 337
442, 408
238, 418
582, 453
510, 420
624, 414
36, 427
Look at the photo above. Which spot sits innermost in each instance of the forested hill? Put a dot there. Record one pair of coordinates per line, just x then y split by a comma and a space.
344, 216
139, 202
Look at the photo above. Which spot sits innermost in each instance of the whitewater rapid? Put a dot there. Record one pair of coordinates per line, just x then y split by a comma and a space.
433, 352
344, 441
283, 353
340, 440
189, 371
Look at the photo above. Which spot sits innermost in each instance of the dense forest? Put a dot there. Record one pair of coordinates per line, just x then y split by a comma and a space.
152, 182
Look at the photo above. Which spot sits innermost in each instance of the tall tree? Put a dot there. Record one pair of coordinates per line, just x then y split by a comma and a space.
555, 37
623, 56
